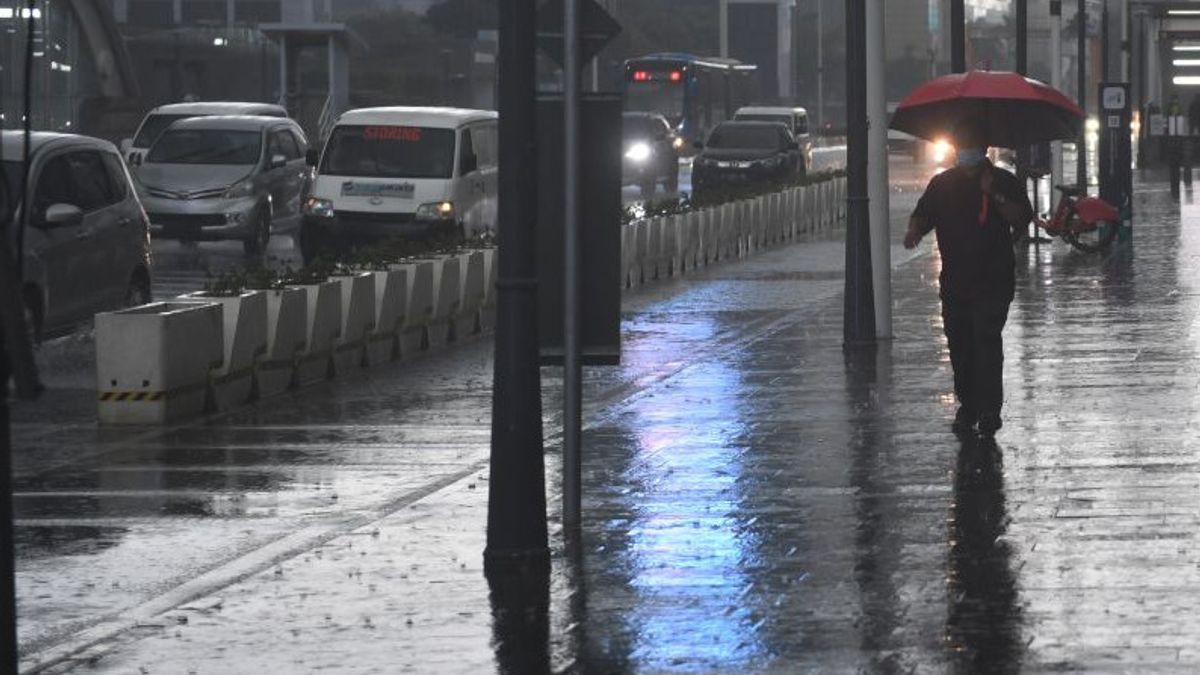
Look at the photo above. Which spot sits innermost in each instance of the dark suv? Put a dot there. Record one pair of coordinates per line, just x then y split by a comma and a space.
746, 153
651, 152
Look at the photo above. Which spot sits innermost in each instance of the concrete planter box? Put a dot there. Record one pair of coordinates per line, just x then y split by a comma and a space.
324, 327
491, 271
473, 273
812, 223
357, 320
287, 336
641, 257
447, 299
669, 259
726, 237
244, 331
627, 256
654, 269
153, 362
391, 311
413, 338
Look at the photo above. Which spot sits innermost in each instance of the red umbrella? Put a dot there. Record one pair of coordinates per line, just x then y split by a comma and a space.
1014, 110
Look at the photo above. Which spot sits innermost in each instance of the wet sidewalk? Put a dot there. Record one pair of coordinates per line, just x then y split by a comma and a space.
755, 499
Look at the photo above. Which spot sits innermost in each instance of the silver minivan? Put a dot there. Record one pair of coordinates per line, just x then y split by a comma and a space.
158, 119
87, 247
235, 177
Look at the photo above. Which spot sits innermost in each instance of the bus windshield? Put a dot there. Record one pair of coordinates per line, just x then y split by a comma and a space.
660, 96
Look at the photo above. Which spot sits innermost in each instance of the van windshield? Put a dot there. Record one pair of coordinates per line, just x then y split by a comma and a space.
153, 127
206, 146
389, 152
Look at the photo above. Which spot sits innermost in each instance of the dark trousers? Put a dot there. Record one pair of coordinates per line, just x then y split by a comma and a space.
973, 330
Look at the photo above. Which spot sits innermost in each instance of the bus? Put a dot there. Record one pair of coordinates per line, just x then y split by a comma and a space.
694, 93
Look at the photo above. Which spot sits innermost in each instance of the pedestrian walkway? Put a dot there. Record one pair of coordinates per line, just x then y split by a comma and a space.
756, 499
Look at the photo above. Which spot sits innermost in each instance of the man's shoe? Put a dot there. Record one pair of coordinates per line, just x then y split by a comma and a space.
989, 425
964, 421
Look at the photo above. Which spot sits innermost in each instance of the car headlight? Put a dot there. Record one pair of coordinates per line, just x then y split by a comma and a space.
320, 208
639, 152
942, 150
239, 190
677, 143
436, 211
770, 162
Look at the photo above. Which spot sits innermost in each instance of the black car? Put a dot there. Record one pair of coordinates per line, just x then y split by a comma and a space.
746, 153
651, 152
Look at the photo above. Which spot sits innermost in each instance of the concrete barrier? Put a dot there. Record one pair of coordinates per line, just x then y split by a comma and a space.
153, 362
287, 336
391, 313
244, 333
357, 320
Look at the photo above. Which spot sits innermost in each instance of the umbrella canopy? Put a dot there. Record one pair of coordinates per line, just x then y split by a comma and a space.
1013, 110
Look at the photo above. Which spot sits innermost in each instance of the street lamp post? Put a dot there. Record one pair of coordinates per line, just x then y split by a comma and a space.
958, 37
859, 311
1081, 91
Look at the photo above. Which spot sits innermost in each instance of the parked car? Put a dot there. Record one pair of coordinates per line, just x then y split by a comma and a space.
651, 152
402, 171
87, 246
796, 119
236, 177
745, 153
158, 119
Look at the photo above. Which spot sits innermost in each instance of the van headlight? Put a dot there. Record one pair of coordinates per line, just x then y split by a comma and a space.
436, 211
638, 152
239, 190
319, 208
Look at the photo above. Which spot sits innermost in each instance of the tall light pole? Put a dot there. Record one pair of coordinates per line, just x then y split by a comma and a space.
1081, 91
958, 37
858, 325
516, 528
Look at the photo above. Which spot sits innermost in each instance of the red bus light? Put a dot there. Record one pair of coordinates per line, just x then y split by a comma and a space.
676, 76
640, 76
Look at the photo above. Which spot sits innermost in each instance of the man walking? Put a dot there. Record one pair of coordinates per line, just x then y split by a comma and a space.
977, 210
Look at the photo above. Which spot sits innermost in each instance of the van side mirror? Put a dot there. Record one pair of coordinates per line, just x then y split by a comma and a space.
793, 145
312, 157
278, 161
63, 215
126, 146
468, 164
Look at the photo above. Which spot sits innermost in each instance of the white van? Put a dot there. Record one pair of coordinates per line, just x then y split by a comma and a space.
157, 120
402, 171
796, 119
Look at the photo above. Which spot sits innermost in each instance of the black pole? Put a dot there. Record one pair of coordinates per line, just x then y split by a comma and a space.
859, 317
516, 531
1022, 20
1104, 42
8, 569
958, 37
1081, 92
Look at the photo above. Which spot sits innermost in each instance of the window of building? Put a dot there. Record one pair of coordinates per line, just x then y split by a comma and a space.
204, 11
151, 12
256, 11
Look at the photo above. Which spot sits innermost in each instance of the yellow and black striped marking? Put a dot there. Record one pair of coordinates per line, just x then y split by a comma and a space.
123, 396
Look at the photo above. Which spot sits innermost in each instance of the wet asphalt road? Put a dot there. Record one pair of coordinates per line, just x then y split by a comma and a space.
755, 501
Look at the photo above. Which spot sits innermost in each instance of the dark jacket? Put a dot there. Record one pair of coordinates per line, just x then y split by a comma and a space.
975, 242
